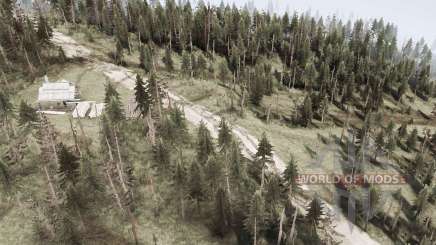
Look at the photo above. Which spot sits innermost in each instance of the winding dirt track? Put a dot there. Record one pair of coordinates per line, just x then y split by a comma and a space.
346, 232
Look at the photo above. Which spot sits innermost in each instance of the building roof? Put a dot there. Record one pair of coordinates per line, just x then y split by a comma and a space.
56, 91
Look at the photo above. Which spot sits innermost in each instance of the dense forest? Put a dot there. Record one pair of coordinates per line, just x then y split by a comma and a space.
89, 182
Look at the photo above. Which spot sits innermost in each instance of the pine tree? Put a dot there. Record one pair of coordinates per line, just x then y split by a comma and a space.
118, 54
380, 143
411, 140
306, 111
402, 130
6, 112
142, 98
179, 182
196, 184
110, 92
421, 201
373, 199
68, 166
314, 212
224, 135
44, 31
223, 73
264, 148
161, 155
264, 151
204, 144
27, 114
186, 63
222, 216
178, 119
256, 218
114, 110
145, 58
291, 174
201, 65
168, 60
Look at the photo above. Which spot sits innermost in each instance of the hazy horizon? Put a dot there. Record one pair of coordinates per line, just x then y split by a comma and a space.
414, 19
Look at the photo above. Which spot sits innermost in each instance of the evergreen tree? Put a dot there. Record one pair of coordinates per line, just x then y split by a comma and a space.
411, 140
314, 212
186, 63
223, 73
256, 217
224, 135
291, 174
114, 110
380, 143
204, 144
402, 130
118, 54
142, 97
179, 181
306, 112
201, 65
110, 92
145, 58
161, 155
196, 184
421, 201
168, 60
27, 114
222, 216
6, 111
69, 166
44, 31
373, 199
264, 149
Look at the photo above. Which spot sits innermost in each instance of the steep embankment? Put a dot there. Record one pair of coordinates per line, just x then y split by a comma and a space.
348, 233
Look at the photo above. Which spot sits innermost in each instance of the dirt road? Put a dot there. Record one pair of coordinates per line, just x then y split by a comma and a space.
346, 231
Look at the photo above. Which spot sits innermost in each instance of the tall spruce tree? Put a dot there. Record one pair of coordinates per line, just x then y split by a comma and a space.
205, 146
27, 114
142, 97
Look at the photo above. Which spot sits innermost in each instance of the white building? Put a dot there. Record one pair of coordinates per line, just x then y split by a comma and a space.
56, 94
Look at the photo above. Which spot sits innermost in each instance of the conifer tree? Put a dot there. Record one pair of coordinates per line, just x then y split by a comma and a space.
44, 31
264, 151
291, 174
168, 60
421, 201
306, 111
222, 217
196, 184
223, 72
27, 114
6, 112
141, 97
179, 181
118, 54
204, 144
145, 58
314, 212
214, 173
380, 143
68, 166
161, 155
186, 63
256, 218
110, 91
402, 130
114, 110
372, 202
224, 135
201, 65
411, 140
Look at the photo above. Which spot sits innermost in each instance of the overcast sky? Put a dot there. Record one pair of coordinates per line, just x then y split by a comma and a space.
414, 18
